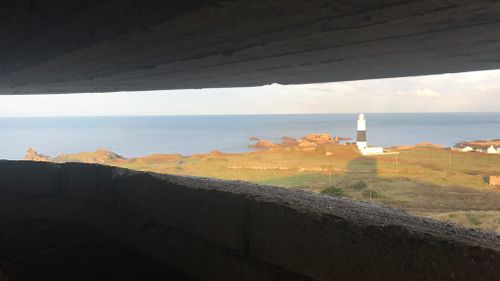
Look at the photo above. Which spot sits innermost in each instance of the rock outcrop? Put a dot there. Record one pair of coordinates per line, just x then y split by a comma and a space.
288, 141
33, 155
100, 156
308, 142
263, 145
320, 138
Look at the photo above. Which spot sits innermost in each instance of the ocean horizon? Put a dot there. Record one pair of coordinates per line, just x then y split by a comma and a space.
132, 136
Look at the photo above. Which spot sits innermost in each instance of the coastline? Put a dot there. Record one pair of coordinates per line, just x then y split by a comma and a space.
425, 179
138, 136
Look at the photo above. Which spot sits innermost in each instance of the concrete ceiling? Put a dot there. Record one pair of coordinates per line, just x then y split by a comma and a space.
61, 46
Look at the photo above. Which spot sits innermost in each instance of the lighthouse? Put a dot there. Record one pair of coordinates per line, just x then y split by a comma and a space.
361, 139
361, 136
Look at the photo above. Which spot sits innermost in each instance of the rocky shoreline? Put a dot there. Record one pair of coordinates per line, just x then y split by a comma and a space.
310, 142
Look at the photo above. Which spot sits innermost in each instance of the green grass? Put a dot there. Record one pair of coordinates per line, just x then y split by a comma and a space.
423, 181
489, 220
473, 219
370, 193
333, 191
360, 185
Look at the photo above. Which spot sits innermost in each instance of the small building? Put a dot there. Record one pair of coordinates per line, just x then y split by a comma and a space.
467, 149
492, 150
372, 150
494, 181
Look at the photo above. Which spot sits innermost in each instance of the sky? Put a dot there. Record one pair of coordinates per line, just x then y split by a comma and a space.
463, 92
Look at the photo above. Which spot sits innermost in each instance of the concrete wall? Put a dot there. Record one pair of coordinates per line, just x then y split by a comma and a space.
226, 230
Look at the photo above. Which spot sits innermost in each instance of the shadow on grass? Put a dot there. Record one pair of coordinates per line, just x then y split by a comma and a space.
358, 175
361, 181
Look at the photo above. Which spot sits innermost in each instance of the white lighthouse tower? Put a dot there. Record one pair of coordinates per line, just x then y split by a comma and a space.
361, 139
361, 136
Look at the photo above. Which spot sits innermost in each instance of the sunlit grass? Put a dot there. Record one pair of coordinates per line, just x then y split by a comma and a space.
434, 182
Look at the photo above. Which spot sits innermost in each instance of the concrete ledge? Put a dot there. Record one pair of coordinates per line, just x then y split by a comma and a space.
232, 230
87, 182
214, 215
93, 46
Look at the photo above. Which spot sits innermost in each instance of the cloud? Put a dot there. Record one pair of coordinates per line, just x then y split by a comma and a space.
427, 93
472, 91
336, 88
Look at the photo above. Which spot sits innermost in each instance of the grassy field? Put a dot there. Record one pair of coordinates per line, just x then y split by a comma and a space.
427, 181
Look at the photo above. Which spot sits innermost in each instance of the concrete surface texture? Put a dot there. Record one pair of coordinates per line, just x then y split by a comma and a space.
57, 46
55, 250
230, 230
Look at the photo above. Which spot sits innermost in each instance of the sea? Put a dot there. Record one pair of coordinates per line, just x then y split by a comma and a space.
132, 136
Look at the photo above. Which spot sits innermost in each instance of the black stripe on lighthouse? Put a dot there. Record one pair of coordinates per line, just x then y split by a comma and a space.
361, 136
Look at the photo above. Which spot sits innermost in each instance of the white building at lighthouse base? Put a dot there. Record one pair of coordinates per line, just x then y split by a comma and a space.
365, 150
